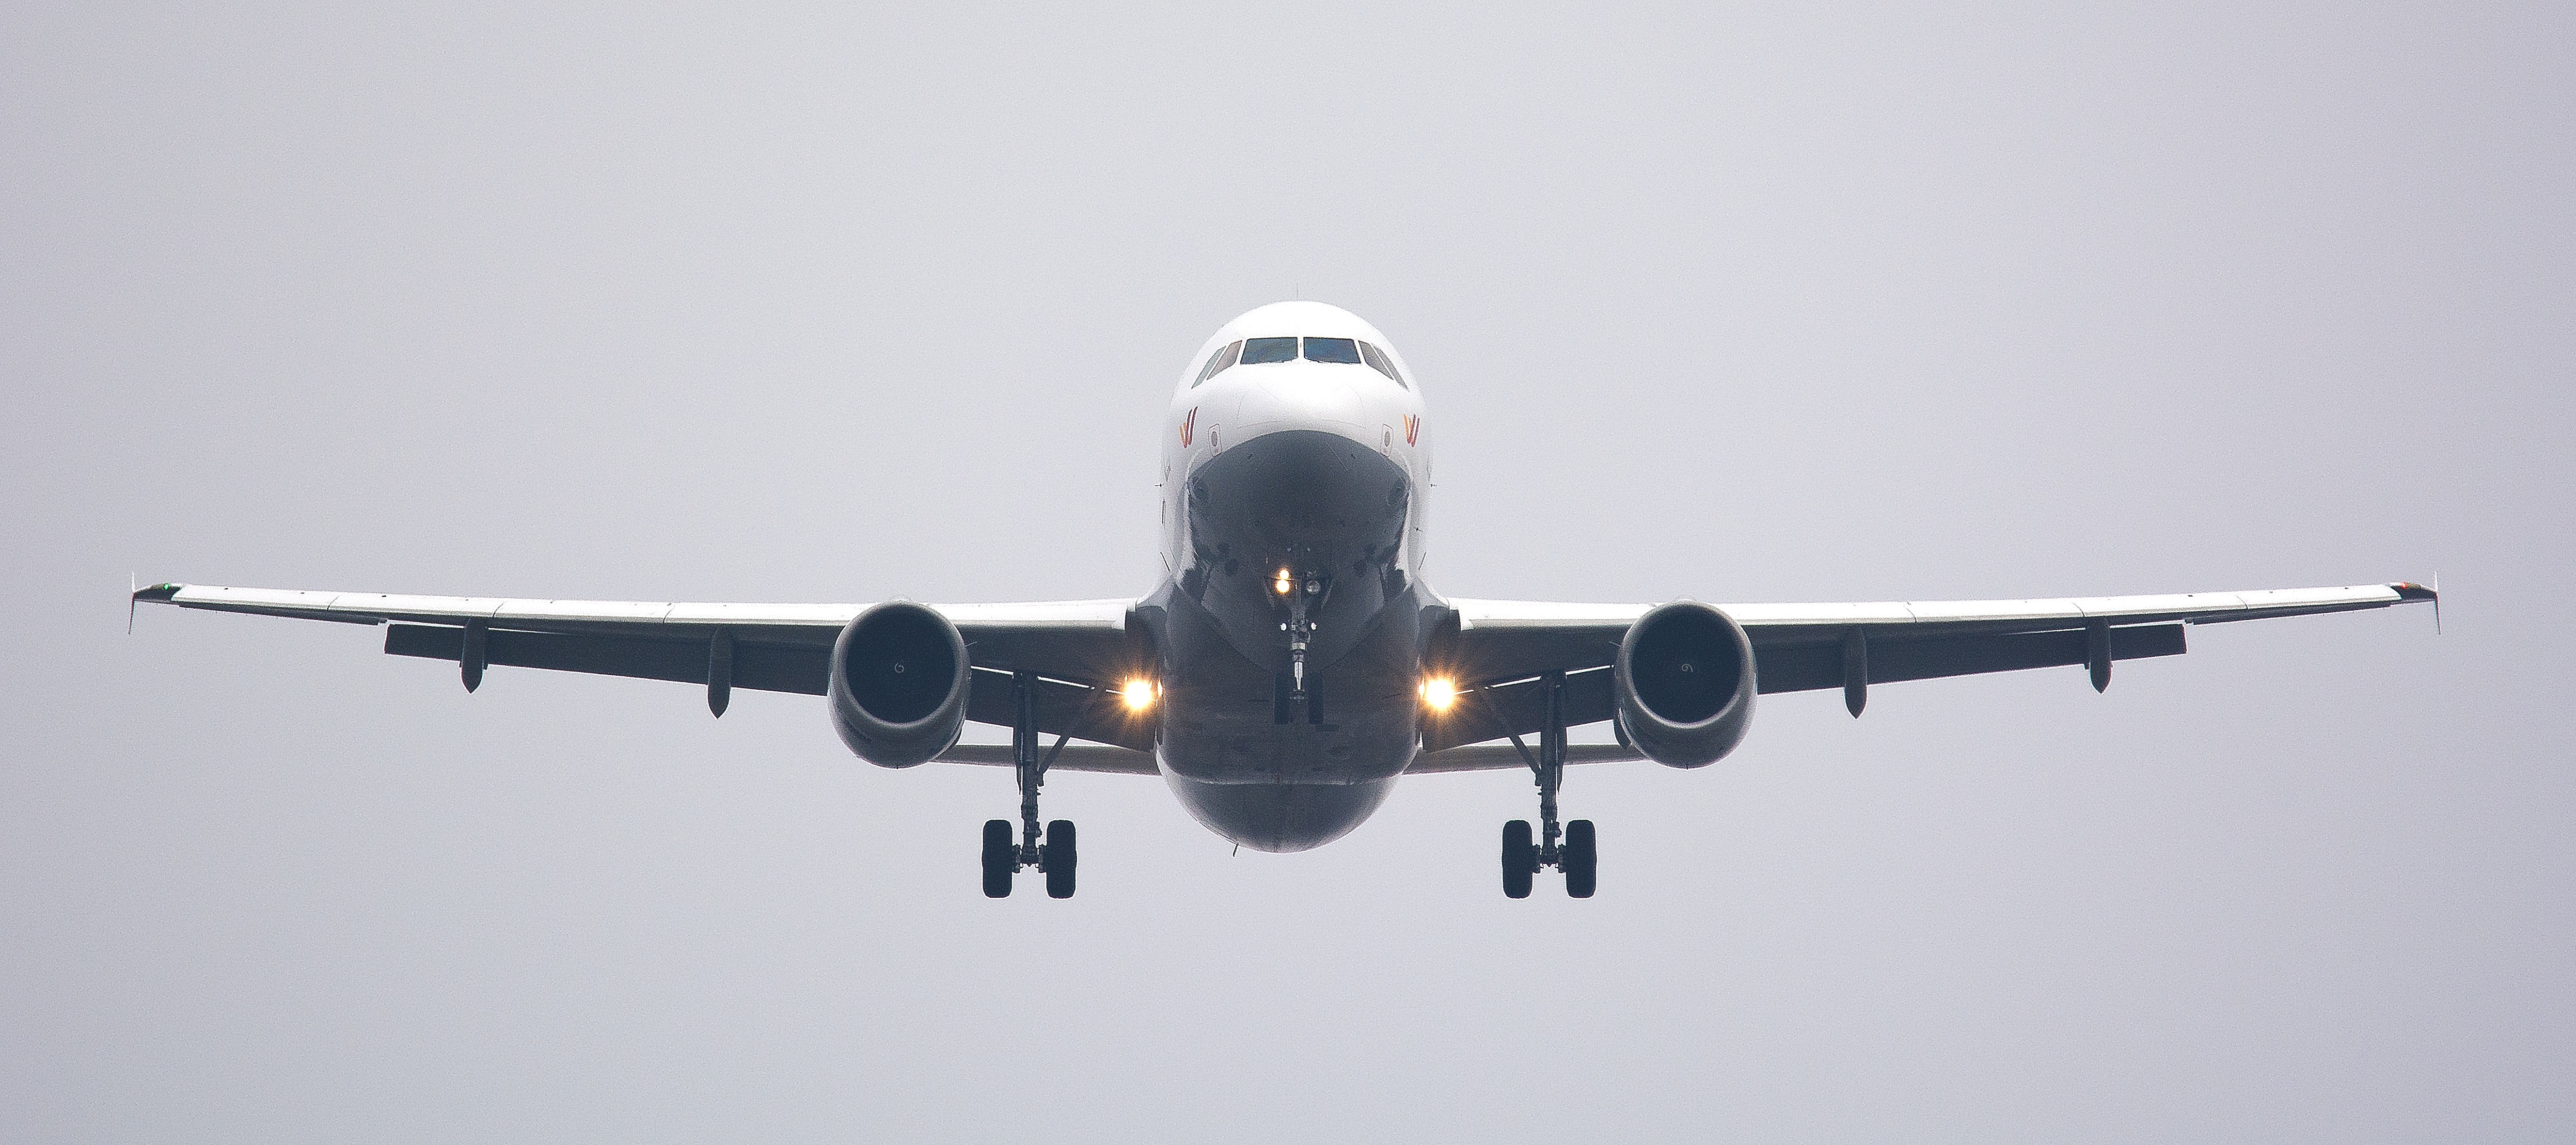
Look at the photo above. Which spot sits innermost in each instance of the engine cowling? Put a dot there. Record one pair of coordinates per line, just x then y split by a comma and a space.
899, 684
1684, 678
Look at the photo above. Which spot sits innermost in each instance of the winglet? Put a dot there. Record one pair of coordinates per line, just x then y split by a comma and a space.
159, 593
2408, 593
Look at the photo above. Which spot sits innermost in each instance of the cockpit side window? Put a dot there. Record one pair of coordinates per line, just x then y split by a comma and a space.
1378, 361
1218, 362
1262, 351
1342, 350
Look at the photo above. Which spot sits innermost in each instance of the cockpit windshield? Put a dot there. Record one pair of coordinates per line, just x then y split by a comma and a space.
1217, 363
1271, 351
1377, 360
1262, 351
1342, 350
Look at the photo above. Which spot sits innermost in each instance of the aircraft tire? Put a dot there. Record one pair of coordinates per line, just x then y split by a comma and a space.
1000, 857
1582, 859
1059, 857
1520, 859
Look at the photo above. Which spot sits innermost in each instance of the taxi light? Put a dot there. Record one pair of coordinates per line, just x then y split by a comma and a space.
1139, 694
1439, 692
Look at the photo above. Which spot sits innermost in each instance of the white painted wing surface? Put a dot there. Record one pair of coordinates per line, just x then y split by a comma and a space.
817, 623
1763, 621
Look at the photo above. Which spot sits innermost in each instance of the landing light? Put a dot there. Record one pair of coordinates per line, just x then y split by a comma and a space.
1284, 584
1439, 692
1139, 694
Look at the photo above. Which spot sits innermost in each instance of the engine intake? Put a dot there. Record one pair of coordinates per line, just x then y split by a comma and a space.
1684, 678
899, 684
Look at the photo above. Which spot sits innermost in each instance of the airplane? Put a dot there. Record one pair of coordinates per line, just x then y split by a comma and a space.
1292, 663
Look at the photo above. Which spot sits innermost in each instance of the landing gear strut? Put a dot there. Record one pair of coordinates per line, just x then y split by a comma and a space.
1569, 848
1055, 854
1304, 593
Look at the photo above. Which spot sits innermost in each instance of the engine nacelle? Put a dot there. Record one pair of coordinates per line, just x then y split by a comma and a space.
899, 683
1684, 679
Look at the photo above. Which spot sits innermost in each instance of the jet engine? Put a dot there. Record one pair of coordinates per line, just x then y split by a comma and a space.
899, 683
1684, 682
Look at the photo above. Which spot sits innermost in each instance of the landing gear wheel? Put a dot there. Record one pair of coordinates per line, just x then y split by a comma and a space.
1520, 859
1057, 858
1582, 864
1001, 857
1568, 849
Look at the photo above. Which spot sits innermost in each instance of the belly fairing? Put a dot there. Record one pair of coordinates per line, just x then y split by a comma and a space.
1227, 719
1248, 763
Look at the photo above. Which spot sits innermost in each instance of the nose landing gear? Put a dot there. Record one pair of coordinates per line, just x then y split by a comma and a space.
1051, 851
1294, 696
1572, 848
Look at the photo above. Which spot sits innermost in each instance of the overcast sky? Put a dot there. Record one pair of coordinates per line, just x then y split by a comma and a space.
764, 304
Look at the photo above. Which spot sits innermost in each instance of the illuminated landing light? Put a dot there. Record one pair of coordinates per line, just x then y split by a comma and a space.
1285, 584
1139, 694
1439, 692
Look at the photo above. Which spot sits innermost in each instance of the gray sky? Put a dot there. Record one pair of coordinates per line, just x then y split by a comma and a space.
769, 304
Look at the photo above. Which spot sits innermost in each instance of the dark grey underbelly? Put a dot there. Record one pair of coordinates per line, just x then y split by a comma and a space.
1250, 765
1280, 817
1222, 715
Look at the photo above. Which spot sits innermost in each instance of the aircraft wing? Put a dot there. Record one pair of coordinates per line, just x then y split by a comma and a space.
1500, 644
1080, 648
1075, 646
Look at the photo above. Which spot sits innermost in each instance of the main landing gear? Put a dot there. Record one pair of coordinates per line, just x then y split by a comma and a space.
1052, 852
1570, 849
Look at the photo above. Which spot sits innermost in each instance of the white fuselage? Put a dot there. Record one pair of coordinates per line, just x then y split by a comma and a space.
1243, 402
1291, 621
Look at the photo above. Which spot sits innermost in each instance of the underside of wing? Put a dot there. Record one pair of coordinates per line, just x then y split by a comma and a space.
1499, 647
1075, 647
1513, 757
1072, 757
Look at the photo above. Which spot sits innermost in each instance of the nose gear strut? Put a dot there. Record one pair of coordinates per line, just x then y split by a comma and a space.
1301, 631
1304, 592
